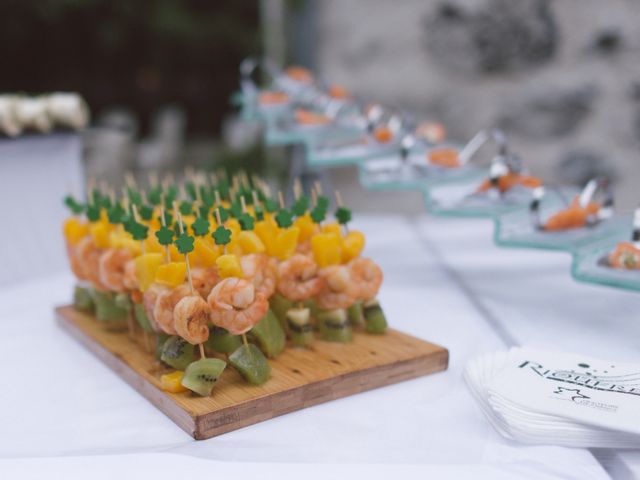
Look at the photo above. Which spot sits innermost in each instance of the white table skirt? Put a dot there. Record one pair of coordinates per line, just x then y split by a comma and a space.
62, 410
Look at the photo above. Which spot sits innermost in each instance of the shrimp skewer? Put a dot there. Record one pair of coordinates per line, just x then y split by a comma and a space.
366, 276
337, 288
298, 278
236, 306
261, 270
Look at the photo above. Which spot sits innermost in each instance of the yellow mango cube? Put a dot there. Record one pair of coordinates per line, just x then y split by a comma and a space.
250, 242
152, 245
100, 233
171, 274
74, 230
145, 267
352, 245
307, 227
286, 242
333, 227
204, 253
326, 248
267, 232
229, 266
234, 225
172, 382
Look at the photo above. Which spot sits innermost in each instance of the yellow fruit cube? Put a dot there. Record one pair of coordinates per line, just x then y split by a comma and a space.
267, 232
326, 248
152, 245
352, 245
146, 266
100, 233
171, 274
307, 227
333, 227
204, 253
250, 242
286, 242
233, 225
172, 382
74, 230
229, 266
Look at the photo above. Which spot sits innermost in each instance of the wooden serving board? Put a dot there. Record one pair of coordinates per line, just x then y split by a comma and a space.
300, 377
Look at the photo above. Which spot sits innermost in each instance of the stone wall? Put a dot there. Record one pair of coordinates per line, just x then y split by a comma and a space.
562, 77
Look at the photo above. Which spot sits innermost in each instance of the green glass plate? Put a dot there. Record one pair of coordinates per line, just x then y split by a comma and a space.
590, 264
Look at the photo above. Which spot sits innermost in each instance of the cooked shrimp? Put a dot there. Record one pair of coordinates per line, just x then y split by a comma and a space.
236, 306
260, 270
338, 290
366, 276
445, 157
130, 281
111, 268
510, 180
304, 247
74, 262
149, 298
626, 255
165, 303
298, 278
88, 256
204, 280
575, 216
191, 318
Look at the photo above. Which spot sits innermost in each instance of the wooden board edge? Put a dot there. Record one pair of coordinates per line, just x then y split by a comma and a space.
154, 395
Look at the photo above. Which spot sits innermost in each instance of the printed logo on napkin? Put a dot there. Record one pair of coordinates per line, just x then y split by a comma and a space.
586, 390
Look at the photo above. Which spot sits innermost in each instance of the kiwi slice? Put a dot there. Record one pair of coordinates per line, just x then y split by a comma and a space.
269, 335
82, 299
313, 309
177, 352
220, 340
355, 313
279, 305
161, 338
122, 300
300, 328
251, 364
334, 325
107, 310
201, 376
375, 321
141, 316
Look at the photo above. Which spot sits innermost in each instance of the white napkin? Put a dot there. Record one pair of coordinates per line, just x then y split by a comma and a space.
535, 396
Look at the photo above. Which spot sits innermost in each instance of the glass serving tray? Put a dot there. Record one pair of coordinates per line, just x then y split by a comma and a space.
590, 264
515, 229
351, 151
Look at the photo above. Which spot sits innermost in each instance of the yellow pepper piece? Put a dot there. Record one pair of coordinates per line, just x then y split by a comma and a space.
250, 242
74, 230
352, 245
286, 242
204, 253
100, 233
333, 227
171, 274
267, 232
233, 225
146, 266
152, 245
307, 227
172, 382
326, 249
229, 266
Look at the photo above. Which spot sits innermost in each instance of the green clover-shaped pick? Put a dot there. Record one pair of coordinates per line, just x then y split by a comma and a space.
134, 196
146, 212
318, 214
184, 243
223, 188
223, 212
155, 196
259, 212
179, 227
221, 235
322, 202
246, 221
343, 215
190, 188
93, 212
75, 207
203, 211
301, 205
284, 218
138, 231
115, 213
236, 209
270, 204
186, 208
207, 196
165, 236
201, 226
170, 196
105, 202
168, 219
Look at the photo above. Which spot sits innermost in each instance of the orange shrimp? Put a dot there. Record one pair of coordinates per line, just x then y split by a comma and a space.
510, 180
307, 117
273, 98
300, 74
339, 92
129, 280
111, 268
572, 217
298, 278
204, 279
626, 255
191, 319
383, 134
149, 298
338, 290
74, 262
88, 256
444, 157
366, 276
165, 303
260, 270
236, 306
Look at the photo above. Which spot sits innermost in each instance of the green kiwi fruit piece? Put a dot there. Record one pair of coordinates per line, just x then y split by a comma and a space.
374, 319
279, 306
300, 328
177, 353
356, 314
107, 310
221, 341
141, 317
201, 376
82, 300
269, 335
251, 364
334, 325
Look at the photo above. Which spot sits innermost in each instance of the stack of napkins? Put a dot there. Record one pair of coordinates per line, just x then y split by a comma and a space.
566, 399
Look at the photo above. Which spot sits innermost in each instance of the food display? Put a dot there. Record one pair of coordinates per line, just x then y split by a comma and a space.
626, 255
216, 274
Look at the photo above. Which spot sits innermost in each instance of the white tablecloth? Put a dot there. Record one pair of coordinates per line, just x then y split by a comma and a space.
63, 411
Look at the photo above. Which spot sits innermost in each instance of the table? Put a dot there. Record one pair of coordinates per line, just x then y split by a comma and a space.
444, 281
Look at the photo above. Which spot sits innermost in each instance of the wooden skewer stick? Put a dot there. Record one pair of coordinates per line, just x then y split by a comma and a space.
245, 341
318, 186
297, 188
164, 224
202, 355
244, 204
280, 199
